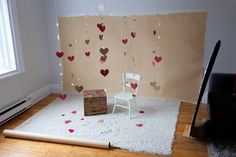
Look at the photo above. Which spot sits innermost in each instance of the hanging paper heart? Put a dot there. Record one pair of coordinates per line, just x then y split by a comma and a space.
101, 61
153, 51
134, 85
103, 58
71, 130
67, 121
141, 111
87, 41
124, 41
87, 54
101, 27
158, 58
100, 36
154, 32
62, 96
153, 63
63, 115
139, 125
156, 88
60, 54
71, 58
104, 51
79, 88
104, 72
133, 34
70, 45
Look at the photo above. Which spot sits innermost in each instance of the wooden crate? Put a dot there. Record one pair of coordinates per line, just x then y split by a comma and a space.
95, 102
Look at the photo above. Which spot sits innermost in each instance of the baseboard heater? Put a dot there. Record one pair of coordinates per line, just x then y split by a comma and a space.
14, 110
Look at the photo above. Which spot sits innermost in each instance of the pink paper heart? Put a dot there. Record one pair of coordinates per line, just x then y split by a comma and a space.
141, 111
101, 61
74, 112
158, 58
60, 54
139, 125
67, 121
133, 34
71, 58
71, 130
124, 41
134, 85
104, 72
62, 96
87, 54
101, 27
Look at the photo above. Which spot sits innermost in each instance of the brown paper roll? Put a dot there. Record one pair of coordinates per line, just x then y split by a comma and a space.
56, 139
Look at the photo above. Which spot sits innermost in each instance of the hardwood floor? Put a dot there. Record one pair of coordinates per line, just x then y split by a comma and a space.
182, 146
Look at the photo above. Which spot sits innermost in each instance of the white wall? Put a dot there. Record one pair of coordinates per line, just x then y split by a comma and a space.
35, 54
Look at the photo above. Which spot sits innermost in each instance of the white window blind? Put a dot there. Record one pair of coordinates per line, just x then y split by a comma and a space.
7, 54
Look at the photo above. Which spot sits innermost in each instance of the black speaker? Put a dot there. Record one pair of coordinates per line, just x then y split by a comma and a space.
222, 105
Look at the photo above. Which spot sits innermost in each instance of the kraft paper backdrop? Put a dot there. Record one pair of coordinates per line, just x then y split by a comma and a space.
176, 40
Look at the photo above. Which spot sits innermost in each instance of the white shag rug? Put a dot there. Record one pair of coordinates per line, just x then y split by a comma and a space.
151, 129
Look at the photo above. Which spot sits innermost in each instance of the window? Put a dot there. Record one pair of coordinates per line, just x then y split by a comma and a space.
10, 49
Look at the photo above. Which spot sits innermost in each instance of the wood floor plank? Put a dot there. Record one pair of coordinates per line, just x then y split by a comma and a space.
182, 146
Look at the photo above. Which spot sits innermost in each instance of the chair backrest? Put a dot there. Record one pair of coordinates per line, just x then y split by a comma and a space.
131, 81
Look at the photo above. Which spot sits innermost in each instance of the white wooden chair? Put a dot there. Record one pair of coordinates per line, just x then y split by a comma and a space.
131, 82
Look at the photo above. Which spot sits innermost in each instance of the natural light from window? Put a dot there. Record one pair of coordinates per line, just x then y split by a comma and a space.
8, 62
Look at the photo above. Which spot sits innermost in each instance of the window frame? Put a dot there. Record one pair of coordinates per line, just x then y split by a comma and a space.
17, 47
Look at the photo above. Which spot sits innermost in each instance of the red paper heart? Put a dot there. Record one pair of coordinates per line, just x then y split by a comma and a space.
158, 58
104, 72
154, 32
101, 27
67, 121
71, 58
141, 111
87, 54
124, 41
133, 34
139, 124
134, 85
60, 54
71, 130
73, 112
62, 96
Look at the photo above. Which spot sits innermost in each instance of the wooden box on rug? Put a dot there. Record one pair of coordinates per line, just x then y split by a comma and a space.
95, 102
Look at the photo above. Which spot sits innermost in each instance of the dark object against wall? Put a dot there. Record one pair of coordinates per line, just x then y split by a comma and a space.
222, 105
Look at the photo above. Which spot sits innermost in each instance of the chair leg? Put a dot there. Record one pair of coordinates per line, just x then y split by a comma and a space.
129, 110
114, 107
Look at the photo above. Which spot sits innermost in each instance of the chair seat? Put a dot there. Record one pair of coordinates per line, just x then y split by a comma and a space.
124, 96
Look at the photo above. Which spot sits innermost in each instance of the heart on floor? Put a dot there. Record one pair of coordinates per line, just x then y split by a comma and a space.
62, 96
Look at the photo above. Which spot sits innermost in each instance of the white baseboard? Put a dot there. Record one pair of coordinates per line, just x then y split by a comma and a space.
40, 94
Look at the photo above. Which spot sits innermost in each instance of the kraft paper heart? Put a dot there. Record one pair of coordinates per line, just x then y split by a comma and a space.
62, 96
104, 72
103, 58
134, 85
81, 118
158, 58
67, 121
124, 41
139, 124
101, 27
153, 51
133, 34
100, 36
87, 41
154, 32
74, 112
71, 58
60, 54
104, 51
79, 88
155, 86
153, 63
63, 115
125, 53
87, 54
70, 45
71, 130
